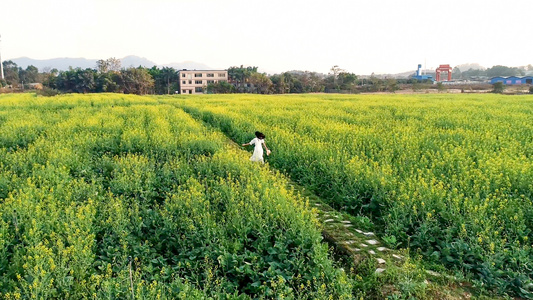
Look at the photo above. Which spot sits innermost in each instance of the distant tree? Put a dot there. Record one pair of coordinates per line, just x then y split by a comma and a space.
85, 81
170, 77
498, 87
503, 71
391, 85
440, 87
30, 75
108, 83
108, 65
11, 72
312, 82
221, 87
74, 81
278, 85
49, 77
136, 81
165, 79
335, 70
473, 73
240, 76
261, 83
346, 81
287, 82
376, 84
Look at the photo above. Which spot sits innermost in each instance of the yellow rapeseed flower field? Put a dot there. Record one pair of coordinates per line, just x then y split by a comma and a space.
116, 196
450, 176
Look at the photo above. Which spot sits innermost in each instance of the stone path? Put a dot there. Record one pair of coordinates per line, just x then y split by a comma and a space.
339, 230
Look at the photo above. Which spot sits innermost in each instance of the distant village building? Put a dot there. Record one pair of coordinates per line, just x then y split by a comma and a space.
196, 81
513, 80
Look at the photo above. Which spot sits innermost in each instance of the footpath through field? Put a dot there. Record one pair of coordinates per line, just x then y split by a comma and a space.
352, 245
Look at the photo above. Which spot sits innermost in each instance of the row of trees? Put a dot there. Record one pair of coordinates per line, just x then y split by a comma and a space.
109, 76
249, 80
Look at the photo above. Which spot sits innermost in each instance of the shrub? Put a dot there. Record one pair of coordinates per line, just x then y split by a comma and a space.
498, 87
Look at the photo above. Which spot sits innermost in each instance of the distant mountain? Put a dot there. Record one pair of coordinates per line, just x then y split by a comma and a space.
64, 63
58, 63
135, 61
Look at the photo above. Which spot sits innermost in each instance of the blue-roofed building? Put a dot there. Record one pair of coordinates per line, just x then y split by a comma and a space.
513, 80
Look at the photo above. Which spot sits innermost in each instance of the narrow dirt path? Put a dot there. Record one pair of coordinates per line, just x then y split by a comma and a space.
355, 244
338, 230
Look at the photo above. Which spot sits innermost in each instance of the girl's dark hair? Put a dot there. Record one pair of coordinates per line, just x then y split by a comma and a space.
259, 135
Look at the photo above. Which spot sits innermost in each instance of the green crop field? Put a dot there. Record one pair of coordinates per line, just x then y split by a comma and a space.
109, 196
450, 176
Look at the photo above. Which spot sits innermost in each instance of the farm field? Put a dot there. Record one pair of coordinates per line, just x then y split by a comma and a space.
448, 176
111, 196
117, 197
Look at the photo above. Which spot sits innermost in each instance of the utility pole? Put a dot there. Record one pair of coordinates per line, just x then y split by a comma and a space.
1, 65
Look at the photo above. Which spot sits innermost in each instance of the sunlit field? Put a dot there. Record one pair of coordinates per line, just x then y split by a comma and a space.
117, 197
111, 196
449, 176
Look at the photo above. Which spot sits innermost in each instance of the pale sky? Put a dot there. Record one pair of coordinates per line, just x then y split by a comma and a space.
383, 36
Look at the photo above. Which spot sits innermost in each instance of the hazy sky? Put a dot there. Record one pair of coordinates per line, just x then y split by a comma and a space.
383, 36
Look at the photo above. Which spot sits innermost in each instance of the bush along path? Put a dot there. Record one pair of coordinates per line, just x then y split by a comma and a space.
378, 271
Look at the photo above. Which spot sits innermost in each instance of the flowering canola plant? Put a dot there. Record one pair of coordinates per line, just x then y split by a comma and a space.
450, 176
116, 196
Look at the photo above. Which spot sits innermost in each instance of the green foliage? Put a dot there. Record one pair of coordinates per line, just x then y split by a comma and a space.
11, 72
94, 188
498, 87
448, 175
221, 87
48, 92
440, 87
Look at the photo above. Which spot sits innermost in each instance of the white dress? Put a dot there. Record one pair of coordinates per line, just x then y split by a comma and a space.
258, 150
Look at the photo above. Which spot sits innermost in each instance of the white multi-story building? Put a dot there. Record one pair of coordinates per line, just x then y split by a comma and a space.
195, 81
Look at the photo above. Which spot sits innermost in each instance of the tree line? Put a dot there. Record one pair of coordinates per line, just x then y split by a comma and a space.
109, 76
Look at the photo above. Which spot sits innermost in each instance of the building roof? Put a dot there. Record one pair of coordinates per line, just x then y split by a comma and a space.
508, 77
202, 70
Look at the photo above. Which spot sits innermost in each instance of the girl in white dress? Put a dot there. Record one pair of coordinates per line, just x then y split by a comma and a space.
258, 142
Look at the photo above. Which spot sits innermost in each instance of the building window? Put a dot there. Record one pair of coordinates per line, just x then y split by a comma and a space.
184, 91
210, 75
221, 75
210, 81
183, 75
190, 81
197, 74
198, 82
184, 82
198, 89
